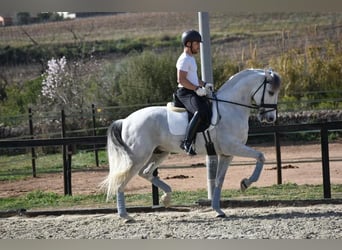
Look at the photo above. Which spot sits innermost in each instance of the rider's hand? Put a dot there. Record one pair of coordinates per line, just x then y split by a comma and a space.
209, 87
201, 91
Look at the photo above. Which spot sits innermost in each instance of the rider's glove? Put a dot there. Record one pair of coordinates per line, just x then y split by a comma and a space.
209, 87
201, 91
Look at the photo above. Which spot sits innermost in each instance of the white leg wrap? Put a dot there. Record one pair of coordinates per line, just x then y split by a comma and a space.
120, 203
215, 202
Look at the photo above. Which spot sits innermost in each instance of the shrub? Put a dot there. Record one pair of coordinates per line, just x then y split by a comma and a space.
311, 74
149, 77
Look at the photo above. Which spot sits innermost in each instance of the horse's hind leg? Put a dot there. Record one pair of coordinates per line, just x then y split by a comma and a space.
120, 196
147, 173
121, 206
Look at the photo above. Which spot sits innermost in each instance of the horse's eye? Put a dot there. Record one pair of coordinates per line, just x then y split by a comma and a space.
271, 93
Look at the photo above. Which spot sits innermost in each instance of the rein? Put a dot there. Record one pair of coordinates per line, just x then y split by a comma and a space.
253, 106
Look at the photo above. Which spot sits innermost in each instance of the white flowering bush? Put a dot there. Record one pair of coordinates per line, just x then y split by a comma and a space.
56, 79
70, 84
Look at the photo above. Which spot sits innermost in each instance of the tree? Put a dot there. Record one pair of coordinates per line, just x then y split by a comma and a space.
23, 18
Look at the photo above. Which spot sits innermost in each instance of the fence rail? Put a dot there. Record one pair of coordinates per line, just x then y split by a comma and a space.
276, 130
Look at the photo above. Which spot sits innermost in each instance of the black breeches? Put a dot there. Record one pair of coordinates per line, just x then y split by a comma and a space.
192, 102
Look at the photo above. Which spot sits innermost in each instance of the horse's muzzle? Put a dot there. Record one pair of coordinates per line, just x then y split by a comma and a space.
268, 116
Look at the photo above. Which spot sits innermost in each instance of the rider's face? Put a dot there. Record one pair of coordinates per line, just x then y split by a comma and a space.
195, 47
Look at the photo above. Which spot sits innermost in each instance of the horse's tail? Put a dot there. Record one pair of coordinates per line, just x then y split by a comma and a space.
119, 159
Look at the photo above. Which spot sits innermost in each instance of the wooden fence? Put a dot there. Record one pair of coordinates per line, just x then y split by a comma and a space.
276, 130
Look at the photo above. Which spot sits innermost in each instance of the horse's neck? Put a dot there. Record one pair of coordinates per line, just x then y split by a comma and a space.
237, 92
228, 110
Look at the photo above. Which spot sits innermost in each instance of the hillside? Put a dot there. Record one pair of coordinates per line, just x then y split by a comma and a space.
300, 46
235, 35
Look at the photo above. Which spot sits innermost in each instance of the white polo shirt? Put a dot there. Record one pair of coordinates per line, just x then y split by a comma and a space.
188, 64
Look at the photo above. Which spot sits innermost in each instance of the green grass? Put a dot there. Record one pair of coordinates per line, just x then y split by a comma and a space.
49, 200
40, 199
20, 166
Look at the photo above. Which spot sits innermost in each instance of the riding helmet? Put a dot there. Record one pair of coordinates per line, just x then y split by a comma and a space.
191, 36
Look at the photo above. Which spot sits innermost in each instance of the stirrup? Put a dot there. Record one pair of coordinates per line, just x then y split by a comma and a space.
188, 148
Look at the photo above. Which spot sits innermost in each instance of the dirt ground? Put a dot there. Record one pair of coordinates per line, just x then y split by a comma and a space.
193, 175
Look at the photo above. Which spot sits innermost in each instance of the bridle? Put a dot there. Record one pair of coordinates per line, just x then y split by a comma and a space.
270, 107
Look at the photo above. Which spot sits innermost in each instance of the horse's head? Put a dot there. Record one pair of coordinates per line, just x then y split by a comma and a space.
266, 97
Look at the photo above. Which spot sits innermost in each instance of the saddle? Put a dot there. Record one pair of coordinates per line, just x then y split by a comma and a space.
178, 117
176, 105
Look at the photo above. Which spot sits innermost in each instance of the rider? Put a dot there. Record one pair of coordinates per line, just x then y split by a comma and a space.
191, 90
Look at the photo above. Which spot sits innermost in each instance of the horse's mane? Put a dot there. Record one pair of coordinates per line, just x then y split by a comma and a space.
234, 79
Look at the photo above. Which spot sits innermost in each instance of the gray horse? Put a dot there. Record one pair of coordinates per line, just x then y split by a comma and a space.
141, 141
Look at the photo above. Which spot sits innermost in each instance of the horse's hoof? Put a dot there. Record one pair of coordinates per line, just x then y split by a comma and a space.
127, 219
221, 216
243, 184
166, 199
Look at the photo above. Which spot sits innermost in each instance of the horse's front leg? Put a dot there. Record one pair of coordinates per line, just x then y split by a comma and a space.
246, 182
245, 151
223, 164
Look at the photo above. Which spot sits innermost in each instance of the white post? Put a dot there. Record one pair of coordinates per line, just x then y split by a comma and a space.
206, 68
207, 76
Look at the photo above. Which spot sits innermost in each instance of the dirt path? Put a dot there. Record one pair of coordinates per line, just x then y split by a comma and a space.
313, 222
195, 177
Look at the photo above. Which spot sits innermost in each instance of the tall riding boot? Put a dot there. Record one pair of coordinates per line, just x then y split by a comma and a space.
190, 134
